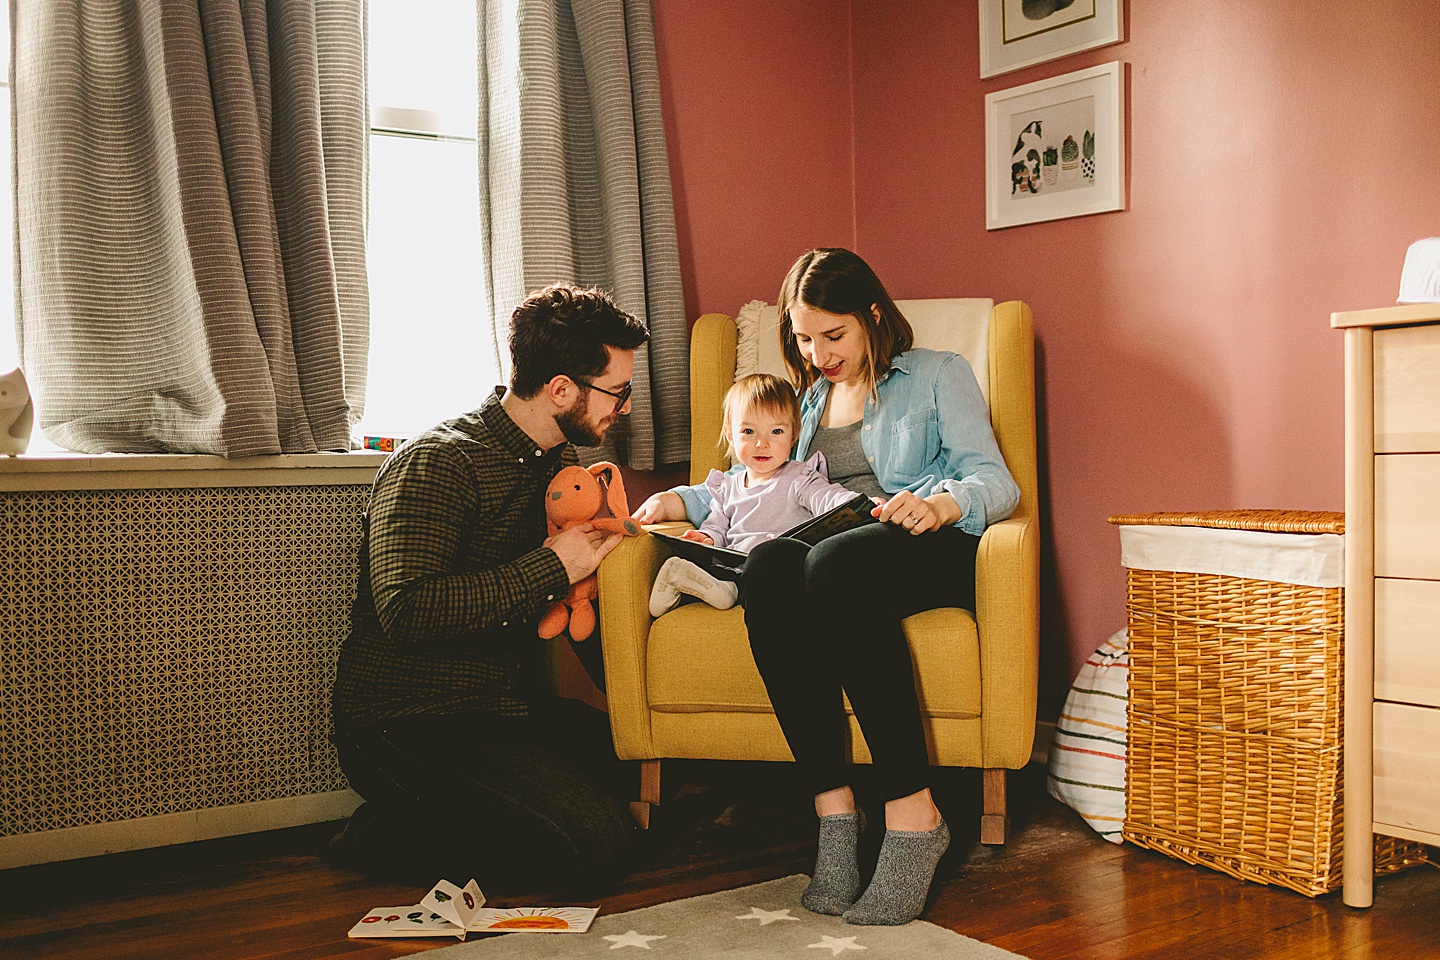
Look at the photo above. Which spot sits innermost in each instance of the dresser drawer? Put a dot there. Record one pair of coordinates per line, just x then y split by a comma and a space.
1407, 641
1407, 516
1407, 767
1407, 389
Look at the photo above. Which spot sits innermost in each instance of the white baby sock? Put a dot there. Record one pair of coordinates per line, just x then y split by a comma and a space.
678, 576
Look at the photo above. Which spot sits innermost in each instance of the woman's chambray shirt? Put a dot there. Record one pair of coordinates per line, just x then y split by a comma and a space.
929, 434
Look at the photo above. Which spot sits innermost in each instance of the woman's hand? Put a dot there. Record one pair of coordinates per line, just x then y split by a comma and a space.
665, 505
698, 537
920, 514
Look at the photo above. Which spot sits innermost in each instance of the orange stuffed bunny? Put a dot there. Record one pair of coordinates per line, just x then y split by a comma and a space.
575, 497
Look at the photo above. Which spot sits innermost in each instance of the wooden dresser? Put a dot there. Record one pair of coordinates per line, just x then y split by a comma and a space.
1392, 582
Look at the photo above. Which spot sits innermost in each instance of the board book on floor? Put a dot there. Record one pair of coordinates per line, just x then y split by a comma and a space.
451, 911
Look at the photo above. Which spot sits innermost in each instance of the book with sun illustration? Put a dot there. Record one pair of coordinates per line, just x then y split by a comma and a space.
451, 911
854, 512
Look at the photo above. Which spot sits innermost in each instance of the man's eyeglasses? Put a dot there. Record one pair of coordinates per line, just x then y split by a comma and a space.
622, 395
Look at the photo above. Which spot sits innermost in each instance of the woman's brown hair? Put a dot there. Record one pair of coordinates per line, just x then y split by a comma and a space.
838, 281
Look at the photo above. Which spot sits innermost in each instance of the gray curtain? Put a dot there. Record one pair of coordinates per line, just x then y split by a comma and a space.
190, 182
575, 185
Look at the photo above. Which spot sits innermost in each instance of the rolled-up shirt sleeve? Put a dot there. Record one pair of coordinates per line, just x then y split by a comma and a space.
972, 469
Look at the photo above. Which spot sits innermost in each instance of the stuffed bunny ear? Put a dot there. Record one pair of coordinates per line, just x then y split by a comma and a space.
609, 476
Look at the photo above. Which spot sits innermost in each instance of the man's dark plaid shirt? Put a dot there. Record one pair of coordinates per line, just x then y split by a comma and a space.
452, 574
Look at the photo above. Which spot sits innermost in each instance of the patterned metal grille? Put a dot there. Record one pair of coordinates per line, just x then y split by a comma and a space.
164, 651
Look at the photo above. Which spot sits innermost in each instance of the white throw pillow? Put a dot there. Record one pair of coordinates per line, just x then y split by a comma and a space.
747, 338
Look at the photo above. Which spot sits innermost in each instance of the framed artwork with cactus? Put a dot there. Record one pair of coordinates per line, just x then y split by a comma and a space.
1055, 148
1015, 34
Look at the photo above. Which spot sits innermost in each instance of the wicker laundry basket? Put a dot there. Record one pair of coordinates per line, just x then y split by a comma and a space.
1236, 705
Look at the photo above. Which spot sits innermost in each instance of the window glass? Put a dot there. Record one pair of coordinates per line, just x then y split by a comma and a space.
425, 284
423, 243
422, 57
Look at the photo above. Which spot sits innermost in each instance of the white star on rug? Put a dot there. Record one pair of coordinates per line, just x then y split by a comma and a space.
766, 916
837, 944
631, 939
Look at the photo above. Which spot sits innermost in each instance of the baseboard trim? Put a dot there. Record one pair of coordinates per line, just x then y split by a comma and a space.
101, 838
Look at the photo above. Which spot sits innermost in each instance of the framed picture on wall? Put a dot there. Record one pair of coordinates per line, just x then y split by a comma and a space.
1055, 148
1021, 33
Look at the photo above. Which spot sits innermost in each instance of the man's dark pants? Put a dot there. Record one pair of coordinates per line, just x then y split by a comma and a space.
526, 803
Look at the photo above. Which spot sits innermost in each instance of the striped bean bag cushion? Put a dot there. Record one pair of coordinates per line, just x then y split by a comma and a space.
1087, 757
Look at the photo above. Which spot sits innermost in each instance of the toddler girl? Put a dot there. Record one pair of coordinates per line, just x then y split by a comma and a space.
772, 494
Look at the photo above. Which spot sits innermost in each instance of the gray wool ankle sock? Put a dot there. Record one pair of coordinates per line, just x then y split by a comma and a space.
902, 877
836, 881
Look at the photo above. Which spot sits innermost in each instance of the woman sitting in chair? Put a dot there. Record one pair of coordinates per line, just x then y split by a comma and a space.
910, 426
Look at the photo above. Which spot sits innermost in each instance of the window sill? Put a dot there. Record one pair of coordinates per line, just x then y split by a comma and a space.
120, 471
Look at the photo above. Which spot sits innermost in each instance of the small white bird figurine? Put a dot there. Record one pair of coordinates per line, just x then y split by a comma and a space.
17, 413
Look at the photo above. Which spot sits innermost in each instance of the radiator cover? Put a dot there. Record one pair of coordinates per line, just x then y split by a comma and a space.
169, 650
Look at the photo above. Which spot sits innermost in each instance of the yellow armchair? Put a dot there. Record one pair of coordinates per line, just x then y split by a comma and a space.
686, 686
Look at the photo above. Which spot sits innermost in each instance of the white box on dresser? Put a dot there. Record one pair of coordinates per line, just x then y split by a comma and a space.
1392, 584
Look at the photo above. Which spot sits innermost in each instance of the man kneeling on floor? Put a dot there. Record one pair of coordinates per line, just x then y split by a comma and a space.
467, 766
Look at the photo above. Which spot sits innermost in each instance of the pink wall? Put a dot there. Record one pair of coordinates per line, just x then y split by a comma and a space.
1282, 157
758, 121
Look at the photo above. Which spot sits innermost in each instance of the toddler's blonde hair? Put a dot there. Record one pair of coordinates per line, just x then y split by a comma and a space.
758, 391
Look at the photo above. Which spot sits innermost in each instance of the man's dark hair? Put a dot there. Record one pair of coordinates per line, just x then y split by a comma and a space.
564, 329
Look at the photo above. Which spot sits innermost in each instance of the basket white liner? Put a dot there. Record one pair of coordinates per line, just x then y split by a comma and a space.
1305, 559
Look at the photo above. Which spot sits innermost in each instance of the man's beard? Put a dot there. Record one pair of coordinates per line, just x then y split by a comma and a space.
576, 426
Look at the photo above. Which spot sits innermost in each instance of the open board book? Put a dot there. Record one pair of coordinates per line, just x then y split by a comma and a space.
451, 911
854, 512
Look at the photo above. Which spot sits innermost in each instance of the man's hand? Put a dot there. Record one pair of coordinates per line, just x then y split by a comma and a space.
665, 505
698, 537
581, 548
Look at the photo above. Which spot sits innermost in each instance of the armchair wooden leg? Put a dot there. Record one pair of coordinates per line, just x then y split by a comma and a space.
993, 822
649, 793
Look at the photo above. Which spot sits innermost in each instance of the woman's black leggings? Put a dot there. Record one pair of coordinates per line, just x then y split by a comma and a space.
826, 618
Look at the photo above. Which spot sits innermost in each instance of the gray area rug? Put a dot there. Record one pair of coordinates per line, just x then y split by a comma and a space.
761, 921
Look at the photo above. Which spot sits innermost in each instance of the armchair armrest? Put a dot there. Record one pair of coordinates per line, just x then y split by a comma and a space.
625, 578
1007, 614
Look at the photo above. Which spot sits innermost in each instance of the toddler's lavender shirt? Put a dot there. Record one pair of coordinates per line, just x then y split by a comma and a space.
742, 518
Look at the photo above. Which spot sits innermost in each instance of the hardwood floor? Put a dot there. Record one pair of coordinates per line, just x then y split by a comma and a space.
1054, 892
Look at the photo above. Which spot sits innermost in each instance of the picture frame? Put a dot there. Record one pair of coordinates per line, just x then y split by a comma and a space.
1055, 148
1015, 34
